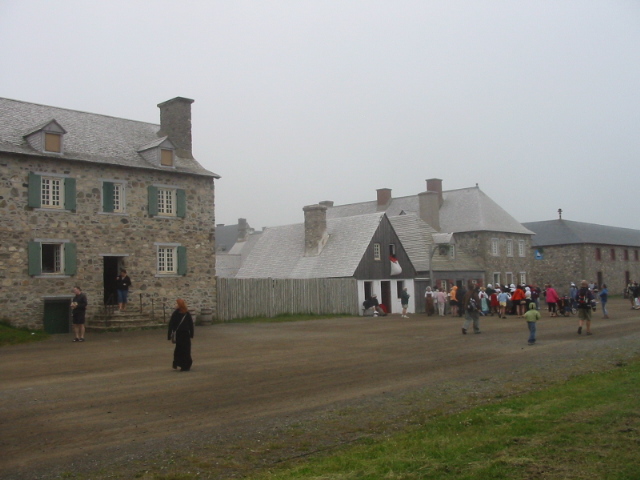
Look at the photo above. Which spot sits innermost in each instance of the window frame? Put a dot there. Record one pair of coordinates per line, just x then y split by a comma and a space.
178, 258
522, 276
521, 249
509, 248
114, 199
64, 250
496, 279
598, 254
377, 252
162, 154
495, 247
178, 198
46, 143
67, 191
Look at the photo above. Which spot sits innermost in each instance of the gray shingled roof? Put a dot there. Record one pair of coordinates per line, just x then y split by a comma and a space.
463, 210
416, 238
90, 137
279, 252
566, 232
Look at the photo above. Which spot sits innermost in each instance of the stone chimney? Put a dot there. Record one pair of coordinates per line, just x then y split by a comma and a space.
327, 203
175, 122
315, 229
243, 230
435, 185
384, 197
429, 205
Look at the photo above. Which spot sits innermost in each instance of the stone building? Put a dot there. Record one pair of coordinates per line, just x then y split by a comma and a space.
83, 195
567, 251
492, 245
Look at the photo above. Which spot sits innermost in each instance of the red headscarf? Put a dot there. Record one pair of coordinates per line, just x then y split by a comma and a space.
182, 306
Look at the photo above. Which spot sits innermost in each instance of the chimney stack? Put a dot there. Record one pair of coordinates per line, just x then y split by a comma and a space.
435, 185
384, 197
175, 122
315, 229
243, 230
327, 203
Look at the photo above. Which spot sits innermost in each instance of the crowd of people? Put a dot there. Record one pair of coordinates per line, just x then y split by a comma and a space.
521, 301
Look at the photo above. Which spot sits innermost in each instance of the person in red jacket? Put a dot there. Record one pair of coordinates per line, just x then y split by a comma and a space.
552, 299
519, 300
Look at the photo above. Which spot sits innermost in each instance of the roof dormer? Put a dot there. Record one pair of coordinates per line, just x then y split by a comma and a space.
47, 138
160, 153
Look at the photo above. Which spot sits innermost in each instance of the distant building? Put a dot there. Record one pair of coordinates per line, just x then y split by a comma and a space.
83, 195
567, 251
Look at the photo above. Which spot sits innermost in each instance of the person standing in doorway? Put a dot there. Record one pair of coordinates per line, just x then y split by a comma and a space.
78, 312
123, 282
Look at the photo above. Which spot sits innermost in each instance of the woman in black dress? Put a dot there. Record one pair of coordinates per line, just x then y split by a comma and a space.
182, 323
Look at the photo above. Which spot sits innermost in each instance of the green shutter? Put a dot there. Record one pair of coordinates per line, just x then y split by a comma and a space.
182, 260
70, 194
107, 197
35, 190
153, 201
181, 197
35, 261
70, 259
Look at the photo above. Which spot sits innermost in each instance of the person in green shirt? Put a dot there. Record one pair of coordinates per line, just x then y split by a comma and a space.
532, 316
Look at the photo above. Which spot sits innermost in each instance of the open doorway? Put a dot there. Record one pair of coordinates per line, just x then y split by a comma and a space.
110, 272
386, 295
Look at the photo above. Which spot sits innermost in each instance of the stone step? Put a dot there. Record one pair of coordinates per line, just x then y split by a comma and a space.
124, 321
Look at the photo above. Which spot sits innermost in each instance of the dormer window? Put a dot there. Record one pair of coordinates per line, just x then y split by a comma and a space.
166, 157
52, 142
160, 153
47, 138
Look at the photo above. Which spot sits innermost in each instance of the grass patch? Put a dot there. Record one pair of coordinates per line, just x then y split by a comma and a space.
586, 428
10, 335
288, 318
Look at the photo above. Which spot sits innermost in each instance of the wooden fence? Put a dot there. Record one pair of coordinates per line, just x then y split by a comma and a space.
267, 297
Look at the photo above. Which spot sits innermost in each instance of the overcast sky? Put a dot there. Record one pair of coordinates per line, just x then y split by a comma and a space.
297, 102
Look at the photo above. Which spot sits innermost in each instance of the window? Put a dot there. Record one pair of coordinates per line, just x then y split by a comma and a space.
509, 277
523, 278
637, 256
496, 279
521, 248
392, 249
495, 250
376, 251
613, 253
167, 201
172, 259
52, 257
509, 248
444, 285
598, 254
113, 197
626, 255
452, 252
166, 157
52, 192
53, 142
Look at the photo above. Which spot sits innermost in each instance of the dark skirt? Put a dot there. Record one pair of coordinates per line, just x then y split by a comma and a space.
430, 305
182, 353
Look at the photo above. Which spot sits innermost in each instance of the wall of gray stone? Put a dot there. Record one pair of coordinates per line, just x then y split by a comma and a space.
96, 234
561, 265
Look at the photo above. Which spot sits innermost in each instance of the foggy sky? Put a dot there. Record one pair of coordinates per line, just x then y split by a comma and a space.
302, 101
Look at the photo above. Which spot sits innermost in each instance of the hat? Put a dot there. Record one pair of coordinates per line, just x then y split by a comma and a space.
374, 296
512, 286
532, 306
573, 284
489, 285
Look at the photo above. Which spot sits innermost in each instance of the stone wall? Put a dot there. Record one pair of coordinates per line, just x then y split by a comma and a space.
563, 264
131, 236
478, 246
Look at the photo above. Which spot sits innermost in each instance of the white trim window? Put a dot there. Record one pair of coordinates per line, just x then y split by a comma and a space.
113, 197
521, 248
509, 277
52, 192
166, 201
376, 252
167, 260
523, 278
509, 248
452, 252
495, 247
496, 279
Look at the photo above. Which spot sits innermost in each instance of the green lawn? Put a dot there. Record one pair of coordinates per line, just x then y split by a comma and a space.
13, 336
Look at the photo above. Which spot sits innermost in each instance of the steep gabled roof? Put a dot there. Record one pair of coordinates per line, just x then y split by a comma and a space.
89, 137
463, 210
417, 237
279, 252
566, 232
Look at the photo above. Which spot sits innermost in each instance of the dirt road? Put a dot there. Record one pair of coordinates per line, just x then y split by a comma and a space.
261, 393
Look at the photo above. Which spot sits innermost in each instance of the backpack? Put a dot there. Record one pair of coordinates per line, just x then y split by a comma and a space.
583, 299
472, 306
